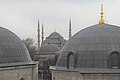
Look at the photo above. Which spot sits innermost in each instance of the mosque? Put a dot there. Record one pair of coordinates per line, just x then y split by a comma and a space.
91, 54
48, 52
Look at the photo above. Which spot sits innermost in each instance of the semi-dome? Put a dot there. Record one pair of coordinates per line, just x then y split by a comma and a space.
92, 47
12, 50
48, 48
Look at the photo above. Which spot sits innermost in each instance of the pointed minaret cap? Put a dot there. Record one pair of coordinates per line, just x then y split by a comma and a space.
102, 21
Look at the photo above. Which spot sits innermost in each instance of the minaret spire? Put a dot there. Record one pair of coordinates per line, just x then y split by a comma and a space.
102, 21
42, 33
70, 29
38, 35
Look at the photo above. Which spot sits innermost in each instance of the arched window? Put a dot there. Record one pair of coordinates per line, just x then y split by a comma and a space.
22, 79
114, 60
70, 60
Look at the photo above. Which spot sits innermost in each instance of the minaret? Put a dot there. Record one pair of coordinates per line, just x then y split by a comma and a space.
42, 33
70, 29
38, 35
102, 21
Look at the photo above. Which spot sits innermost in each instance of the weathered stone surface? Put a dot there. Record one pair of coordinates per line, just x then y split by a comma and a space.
16, 73
67, 75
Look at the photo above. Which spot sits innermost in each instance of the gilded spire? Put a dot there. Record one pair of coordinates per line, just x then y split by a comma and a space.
102, 21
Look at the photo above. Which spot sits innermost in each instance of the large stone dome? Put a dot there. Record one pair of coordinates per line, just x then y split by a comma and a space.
92, 47
12, 50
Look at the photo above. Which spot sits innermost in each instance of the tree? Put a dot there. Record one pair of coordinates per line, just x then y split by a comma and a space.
29, 43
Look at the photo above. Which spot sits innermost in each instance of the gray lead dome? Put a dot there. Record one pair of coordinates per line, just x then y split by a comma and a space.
12, 50
92, 46
55, 35
48, 48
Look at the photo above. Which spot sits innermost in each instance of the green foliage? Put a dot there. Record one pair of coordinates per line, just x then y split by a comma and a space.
29, 43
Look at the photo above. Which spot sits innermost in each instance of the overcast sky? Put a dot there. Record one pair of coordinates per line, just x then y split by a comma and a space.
21, 16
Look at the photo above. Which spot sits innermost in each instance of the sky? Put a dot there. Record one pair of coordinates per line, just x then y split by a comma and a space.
21, 16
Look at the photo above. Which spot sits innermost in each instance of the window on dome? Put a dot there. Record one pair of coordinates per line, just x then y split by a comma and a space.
70, 60
114, 60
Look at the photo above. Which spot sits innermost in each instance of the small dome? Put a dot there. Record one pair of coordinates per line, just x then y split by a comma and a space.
92, 46
48, 48
12, 50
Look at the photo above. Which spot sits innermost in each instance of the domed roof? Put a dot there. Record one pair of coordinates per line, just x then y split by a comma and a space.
48, 48
54, 35
56, 39
92, 46
12, 50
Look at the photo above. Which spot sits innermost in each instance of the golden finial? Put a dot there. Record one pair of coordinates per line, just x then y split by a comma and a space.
102, 21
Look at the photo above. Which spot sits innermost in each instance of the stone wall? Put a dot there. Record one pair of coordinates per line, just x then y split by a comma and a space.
66, 75
69, 75
17, 73
101, 76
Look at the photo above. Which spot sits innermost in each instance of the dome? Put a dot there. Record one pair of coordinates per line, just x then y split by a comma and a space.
54, 35
12, 50
48, 48
92, 46
56, 39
